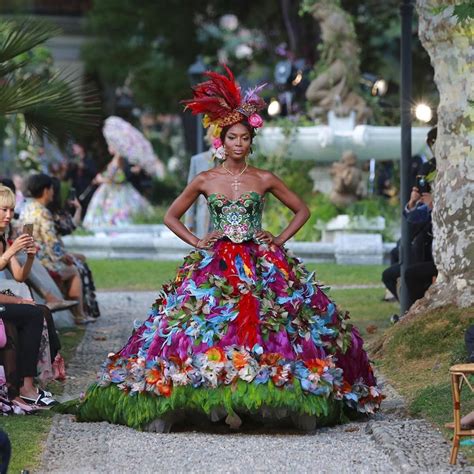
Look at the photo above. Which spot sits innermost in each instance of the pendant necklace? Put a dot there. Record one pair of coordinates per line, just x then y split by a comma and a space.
236, 181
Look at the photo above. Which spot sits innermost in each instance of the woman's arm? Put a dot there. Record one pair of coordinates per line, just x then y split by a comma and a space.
291, 200
179, 206
21, 272
5, 299
77, 217
24, 242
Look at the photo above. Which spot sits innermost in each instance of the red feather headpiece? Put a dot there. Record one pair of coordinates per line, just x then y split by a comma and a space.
222, 104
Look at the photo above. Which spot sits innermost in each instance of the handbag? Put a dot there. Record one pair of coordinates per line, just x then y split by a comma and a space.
3, 334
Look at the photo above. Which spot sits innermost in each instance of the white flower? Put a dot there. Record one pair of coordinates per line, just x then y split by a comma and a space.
173, 164
229, 22
23, 155
243, 51
222, 56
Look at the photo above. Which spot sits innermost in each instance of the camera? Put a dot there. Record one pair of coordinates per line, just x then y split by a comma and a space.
422, 184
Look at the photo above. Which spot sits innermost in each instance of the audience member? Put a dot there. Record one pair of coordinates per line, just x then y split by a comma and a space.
37, 279
23, 318
51, 252
65, 224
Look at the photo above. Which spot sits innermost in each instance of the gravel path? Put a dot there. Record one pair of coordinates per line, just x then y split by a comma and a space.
387, 443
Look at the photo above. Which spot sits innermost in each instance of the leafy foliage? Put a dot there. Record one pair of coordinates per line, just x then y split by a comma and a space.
52, 104
464, 12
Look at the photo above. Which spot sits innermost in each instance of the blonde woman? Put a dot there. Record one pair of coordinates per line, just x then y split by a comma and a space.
23, 317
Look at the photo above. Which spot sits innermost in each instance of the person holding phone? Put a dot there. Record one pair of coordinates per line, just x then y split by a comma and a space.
23, 317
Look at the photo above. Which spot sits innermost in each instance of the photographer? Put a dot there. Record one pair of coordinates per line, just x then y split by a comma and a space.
421, 272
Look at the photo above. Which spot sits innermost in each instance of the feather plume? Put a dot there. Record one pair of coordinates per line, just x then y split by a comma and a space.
217, 97
251, 97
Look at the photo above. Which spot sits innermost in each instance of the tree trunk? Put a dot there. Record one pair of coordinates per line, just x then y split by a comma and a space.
451, 49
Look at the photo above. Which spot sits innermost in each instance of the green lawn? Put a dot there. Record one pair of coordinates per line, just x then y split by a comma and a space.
148, 275
368, 312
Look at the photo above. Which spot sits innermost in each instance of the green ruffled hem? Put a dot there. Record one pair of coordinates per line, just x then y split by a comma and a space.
138, 410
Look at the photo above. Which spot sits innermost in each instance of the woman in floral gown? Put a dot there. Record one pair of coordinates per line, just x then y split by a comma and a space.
115, 201
244, 328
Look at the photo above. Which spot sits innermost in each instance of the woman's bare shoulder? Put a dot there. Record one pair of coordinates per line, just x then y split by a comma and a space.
264, 175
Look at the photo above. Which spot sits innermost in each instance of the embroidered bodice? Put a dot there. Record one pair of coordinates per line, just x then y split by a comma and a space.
239, 218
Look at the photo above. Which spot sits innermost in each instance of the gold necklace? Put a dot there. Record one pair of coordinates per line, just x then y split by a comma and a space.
236, 176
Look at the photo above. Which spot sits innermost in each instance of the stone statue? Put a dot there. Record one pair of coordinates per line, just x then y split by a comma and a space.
348, 184
336, 84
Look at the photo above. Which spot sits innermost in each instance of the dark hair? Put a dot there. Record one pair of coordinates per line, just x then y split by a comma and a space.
431, 137
244, 123
8, 183
55, 205
37, 183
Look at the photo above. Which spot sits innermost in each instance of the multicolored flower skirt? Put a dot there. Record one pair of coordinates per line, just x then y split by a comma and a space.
243, 329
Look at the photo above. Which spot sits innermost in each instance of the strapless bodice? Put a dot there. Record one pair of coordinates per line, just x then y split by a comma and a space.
238, 219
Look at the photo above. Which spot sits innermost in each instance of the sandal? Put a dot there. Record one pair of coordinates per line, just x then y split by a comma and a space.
44, 393
41, 401
26, 407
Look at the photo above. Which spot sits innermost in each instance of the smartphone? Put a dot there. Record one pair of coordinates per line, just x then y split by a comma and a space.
422, 185
28, 229
72, 194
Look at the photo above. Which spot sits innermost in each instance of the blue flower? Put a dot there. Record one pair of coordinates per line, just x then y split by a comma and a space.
263, 375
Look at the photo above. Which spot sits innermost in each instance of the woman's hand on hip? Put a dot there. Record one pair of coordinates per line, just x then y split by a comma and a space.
209, 240
265, 237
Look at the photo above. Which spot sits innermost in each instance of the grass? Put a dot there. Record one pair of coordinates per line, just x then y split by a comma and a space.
368, 312
28, 433
149, 275
416, 356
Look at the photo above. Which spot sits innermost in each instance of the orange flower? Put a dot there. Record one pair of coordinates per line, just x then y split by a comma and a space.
316, 365
240, 360
215, 354
153, 376
346, 387
164, 389
270, 359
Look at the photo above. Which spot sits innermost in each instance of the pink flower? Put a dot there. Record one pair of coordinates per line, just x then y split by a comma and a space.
217, 143
255, 121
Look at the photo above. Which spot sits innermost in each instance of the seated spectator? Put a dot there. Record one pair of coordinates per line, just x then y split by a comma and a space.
40, 282
23, 318
65, 223
52, 253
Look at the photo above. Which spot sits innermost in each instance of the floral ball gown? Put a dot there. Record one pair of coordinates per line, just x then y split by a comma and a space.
115, 202
243, 330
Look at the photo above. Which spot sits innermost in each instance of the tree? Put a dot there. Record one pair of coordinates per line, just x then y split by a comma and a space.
146, 45
50, 104
449, 42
